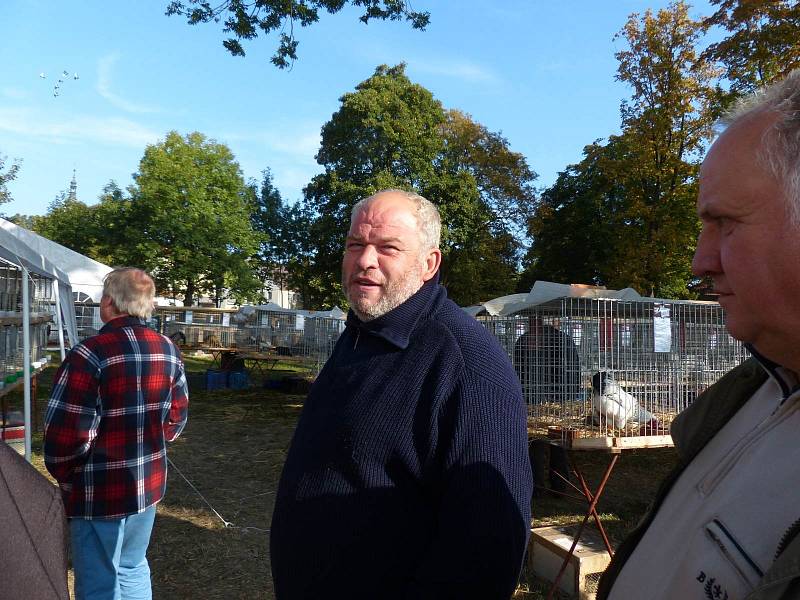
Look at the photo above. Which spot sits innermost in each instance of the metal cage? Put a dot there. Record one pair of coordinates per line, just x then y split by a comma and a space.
608, 372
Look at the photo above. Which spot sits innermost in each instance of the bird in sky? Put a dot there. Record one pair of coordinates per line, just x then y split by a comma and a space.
62, 77
616, 408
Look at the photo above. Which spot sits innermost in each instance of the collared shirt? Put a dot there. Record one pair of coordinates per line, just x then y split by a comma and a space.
116, 399
716, 533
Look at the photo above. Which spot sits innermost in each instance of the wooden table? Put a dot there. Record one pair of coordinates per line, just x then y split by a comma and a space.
260, 362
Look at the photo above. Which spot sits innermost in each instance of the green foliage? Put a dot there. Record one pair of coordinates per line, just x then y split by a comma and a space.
190, 219
246, 19
69, 222
763, 44
286, 249
7, 177
625, 215
26, 221
392, 133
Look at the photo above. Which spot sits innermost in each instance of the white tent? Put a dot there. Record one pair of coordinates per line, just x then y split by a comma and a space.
85, 275
19, 248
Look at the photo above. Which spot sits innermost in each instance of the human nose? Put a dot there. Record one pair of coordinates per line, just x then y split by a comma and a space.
367, 258
706, 259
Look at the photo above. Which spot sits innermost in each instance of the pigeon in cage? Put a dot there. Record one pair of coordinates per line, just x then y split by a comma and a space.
613, 406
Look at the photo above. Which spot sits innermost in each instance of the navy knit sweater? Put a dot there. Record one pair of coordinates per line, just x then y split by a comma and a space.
408, 475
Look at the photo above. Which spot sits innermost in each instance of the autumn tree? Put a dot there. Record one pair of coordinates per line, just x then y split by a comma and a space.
666, 123
762, 42
247, 19
641, 186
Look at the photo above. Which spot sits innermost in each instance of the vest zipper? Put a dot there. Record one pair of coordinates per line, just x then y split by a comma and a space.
787, 538
358, 335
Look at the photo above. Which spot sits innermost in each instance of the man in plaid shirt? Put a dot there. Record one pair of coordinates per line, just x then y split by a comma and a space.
117, 399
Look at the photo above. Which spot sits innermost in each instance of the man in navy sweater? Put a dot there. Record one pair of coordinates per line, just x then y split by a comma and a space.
408, 475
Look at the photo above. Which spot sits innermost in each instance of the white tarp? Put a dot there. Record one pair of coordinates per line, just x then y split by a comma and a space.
16, 249
85, 275
544, 291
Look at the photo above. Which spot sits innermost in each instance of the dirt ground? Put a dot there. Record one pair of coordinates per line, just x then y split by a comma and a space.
232, 452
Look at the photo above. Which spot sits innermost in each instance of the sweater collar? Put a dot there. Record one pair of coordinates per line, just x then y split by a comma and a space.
120, 322
786, 379
397, 325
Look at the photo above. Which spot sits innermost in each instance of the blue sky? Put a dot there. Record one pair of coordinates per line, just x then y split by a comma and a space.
540, 72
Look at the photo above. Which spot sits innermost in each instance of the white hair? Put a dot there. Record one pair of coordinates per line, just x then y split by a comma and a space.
427, 215
131, 290
780, 143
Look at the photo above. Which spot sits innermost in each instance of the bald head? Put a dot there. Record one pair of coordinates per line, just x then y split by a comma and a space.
429, 224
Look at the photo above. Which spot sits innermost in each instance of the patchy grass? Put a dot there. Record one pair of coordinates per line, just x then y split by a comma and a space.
233, 450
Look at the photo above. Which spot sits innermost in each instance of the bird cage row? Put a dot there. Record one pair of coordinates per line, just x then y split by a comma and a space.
12, 352
40, 291
607, 368
196, 327
303, 335
40, 298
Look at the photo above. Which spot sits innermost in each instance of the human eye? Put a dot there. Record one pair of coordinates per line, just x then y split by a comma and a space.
724, 224
353, 245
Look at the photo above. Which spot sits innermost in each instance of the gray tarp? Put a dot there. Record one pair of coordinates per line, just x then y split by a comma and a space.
32, 533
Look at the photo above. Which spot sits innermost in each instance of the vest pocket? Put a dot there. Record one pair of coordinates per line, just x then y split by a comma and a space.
734, 553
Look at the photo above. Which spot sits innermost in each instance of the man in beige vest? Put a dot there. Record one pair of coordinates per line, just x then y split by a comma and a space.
724, 525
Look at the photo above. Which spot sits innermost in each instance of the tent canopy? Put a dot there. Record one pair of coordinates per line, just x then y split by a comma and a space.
25, 248
85, 274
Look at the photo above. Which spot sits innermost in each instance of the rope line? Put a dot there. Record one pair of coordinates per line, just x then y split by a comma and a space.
227, 524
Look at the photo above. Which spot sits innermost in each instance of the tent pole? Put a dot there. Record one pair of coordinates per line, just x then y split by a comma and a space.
26, 357
59, 323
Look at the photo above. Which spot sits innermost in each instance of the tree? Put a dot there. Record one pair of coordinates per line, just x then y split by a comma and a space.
69, 222
246, 19
503, 177
625, 215
666, 124
7, 177
392, 133
25, 221
577, 221
285, 251
763, 44
102, 231
190, 219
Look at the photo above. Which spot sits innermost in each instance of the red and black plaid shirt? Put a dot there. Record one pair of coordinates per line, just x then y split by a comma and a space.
117, 399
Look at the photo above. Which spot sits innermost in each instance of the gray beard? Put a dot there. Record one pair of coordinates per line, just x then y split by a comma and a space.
394, 295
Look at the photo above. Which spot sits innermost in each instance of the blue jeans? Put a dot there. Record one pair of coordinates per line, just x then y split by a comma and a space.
109, 557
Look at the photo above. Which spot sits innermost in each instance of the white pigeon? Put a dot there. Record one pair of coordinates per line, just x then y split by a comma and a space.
616, 408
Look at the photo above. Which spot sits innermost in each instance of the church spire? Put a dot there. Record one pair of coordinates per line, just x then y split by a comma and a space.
73, 187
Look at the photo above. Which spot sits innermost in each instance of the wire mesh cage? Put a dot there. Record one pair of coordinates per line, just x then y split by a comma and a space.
301, 337
606, 372
12, 344
196, 327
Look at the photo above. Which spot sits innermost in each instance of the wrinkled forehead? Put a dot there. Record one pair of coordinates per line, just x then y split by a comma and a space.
390, 215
